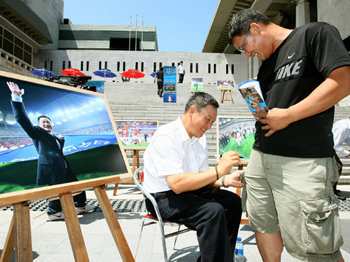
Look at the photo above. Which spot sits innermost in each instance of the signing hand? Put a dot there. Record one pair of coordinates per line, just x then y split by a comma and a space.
15, 89
233, 179
227, 161
274, 120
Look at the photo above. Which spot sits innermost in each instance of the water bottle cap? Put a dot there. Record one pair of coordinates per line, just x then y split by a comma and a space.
239, 239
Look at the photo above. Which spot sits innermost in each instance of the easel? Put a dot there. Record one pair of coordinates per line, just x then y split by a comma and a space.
226, 96
19, 234
244, 221
135, 164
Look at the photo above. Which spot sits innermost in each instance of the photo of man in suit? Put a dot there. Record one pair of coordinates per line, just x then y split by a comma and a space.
53, 167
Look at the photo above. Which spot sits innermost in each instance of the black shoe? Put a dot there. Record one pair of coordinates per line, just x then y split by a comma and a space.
339, 196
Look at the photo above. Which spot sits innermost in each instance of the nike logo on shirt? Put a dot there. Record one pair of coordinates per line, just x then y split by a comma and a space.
290, 56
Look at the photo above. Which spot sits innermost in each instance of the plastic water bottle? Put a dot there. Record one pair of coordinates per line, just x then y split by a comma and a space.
239, 252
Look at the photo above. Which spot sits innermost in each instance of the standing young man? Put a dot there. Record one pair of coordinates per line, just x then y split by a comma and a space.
177, 173
304, 73
159, 77
181, 72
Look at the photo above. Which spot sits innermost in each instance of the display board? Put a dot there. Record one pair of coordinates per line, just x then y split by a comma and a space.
235, 133
136, 134
225, 85
80, 119
197, 85
169, 84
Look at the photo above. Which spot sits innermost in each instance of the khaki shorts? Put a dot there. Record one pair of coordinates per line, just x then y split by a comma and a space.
295, 196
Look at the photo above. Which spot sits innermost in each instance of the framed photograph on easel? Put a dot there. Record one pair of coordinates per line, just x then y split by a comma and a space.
136, 134
235, 133
82, 129
56, 141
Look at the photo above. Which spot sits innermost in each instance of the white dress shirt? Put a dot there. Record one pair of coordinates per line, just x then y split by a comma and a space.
341, 134
171, 152
181, 69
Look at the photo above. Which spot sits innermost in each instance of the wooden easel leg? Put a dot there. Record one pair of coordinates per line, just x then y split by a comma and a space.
9, 246
231, 97
134, 156
113, 224
115, 189
137, 160
23, 237
244, 221
73, 228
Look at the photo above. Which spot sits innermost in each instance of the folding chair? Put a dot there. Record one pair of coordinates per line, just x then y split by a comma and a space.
148, 219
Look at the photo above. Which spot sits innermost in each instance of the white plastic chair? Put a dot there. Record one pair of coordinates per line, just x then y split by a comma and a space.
149, 219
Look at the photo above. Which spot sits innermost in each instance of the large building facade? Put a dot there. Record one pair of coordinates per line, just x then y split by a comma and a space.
35, 34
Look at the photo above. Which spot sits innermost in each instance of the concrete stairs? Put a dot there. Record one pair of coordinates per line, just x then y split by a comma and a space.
139, 101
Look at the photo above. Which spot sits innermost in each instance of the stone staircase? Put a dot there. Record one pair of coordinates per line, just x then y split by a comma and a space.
139, 101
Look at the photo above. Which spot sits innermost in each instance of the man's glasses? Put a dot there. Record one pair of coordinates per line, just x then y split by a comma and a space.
242, 45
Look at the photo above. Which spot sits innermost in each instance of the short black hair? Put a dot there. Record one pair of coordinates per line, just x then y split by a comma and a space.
201, 100
240, 22
43, 116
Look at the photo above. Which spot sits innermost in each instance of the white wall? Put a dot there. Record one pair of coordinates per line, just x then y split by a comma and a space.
335, 12
148, 58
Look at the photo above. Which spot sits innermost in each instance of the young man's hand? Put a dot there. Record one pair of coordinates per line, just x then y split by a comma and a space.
15, 89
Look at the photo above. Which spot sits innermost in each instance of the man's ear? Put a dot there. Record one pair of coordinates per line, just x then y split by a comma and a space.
192, 110
255, 27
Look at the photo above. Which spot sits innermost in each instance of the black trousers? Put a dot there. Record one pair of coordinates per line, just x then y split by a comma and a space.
160, 88
54, 206
340, 168
214, 215
181, 78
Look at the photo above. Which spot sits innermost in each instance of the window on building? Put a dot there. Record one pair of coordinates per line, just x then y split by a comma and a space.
118, 66
191, 68
142, 64
1, 36
232, 69
154, 66
209, 67
99, 65
87, 65
63, 65
137, 65
45, 64
8, 42
226, 68
28, 54
81, 66
18, 48
69, 64
15, 46
123, 66
214, 68
106, 65
160, 64
51, 66
196, 67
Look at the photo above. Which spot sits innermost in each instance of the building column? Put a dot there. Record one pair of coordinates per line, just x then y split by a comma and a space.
302, 13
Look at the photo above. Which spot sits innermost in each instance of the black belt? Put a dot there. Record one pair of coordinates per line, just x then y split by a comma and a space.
163, 194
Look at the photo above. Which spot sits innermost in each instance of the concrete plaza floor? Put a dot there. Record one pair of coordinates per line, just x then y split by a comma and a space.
50, 240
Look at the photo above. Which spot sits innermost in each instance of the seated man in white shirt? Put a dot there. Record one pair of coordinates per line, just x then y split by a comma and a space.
177, 173
341, 135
